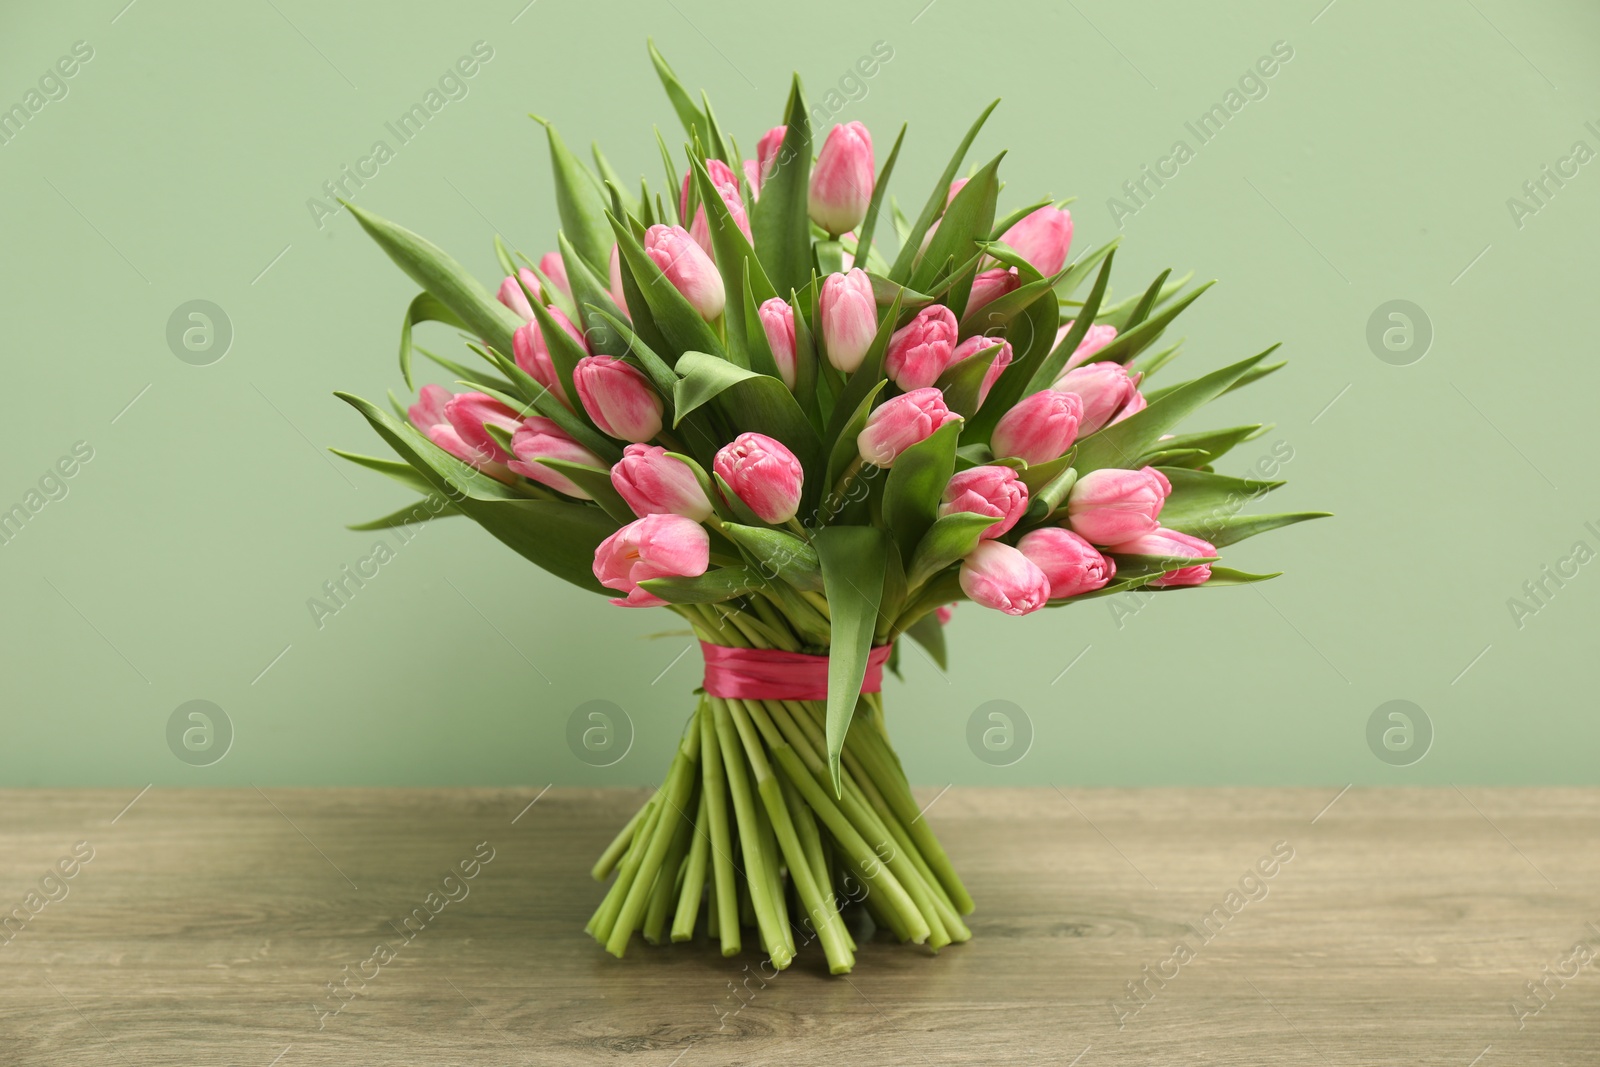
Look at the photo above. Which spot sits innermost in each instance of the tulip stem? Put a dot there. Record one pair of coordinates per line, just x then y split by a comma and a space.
800, 531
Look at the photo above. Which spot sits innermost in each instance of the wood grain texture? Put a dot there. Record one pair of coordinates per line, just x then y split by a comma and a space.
208, 924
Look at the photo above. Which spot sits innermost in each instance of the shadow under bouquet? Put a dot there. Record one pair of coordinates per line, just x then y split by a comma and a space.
728, 397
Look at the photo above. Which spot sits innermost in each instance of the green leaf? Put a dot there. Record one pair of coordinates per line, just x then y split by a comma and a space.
749, 401
928, 632
564, 353
466, 373
1221, 577
1047, 368
912, 240
966, 221
778, 554
951, 538
1080, 269
916, 485
412, 514
688, 114
1215, 443
680, 324
559, 536
607, 174
1136, 340
403, 473
866, 379
1200, 495
843, 453
578, 202
870, 223
712, 587
757, 349
448, 281
592, 298
736, 260
962, 382
854, 559
1222, 530
424, 307
597, 483
780, 220
1120, 444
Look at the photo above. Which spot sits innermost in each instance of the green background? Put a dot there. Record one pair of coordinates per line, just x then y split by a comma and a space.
1377, 167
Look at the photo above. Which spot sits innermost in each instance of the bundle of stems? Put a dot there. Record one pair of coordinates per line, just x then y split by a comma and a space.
747, 827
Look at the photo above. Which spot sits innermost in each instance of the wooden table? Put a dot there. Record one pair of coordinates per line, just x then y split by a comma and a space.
1397, 927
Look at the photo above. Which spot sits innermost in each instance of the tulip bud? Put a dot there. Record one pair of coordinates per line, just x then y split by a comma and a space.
618, 398
1072, 564
470, 412
687, 268
1164, 542
777, 322
532, 353
920, 350
897, 424
539, 438
1110, 506
1094, 339
842, 180
762, 473
719, 173
1135, 404
618, 295
990, 285
555, 268
656, 546
989, 490
1042, 238
980, 343
1105, 389
758, 170
848, 314
654, 483
428, 414
1039, 428
998, 576
513, 296
727, 187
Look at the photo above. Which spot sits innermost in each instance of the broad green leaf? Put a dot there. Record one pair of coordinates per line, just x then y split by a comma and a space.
559, 536
1126, 314
424, 307
780, 220
854, 559
966, 221
757, 349
1148, 363
1147, 302
1080, 269
608, 175
716, 145
736, 260
410, 515
748, 401
962, 382
578, 202
1043, 502
1200, 495
911, 241
870, 223
1216, 443
712, 587
777, 554
1222, 530
951, 538
928, 632
1136, 340
916, 485
841, 455
1222, 577
690, 115
403, 473
1048, 367
448, 281
592, 297
1120, 444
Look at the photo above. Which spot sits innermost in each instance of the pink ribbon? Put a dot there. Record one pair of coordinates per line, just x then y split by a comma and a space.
771, 674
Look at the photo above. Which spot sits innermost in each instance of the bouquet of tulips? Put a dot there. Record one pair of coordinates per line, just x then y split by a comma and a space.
727, 397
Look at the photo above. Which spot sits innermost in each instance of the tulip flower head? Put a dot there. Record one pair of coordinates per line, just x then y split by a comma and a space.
655, 483
532, 352
1000, 577
1164, 542
897, 424
555, 268
687, 268
848, 314
921, 349
998, 363
514, 296
1111, 506
1072, 564
763, 474
1094, 339
1105, 389
987, 490
618, 397
656, 546
842, 180
777, 322
538, 439
1043, 238
428, 414
1040, 428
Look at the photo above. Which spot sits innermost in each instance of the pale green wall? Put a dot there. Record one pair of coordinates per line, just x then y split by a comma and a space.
1377, 167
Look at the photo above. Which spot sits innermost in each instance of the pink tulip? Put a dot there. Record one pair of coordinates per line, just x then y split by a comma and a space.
998, 576
618, 295
897, 424
990, 490
719, 173
980, 343
1039, 428
618, 398
727, 186
428, 414
920, 350
762, 473
1094, 339
654, 483
656, 546
777, 322
1072, 564
1042, 238
758, 170
532, 353
990, 285
470, 412
538, 439
1105, 389
1165, 542
752, 177
1135, 404
1110, 506
849, 317
687, 268
555, 268
513, 296
842, 180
